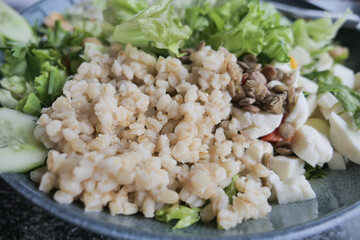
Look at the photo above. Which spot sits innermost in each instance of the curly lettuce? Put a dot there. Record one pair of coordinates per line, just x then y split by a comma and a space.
156, 26
316, 34
241, 27
185, 215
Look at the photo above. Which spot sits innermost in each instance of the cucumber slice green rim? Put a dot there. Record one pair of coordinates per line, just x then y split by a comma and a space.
20, 151
13, 26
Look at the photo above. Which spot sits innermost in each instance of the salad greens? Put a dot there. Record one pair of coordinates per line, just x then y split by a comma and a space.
314, 172
156, 26
231, 190
36, 70
118, 11
186, 215
34, 74
316, 34
241, 27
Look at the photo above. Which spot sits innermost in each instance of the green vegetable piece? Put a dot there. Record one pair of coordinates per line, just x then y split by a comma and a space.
357, 117
278, 41
238, 39
186, 215
231, 189
119, 11
76, 38
306, 94
342, 57
241, 27
30, 105
314, 172
316, 34
326, 48
49, 84
156, 26
6, 99
56, 36
15, 62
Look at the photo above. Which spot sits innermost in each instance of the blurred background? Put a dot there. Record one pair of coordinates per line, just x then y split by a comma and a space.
329, 5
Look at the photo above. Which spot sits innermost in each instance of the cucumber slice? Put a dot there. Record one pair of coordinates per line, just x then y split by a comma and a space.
13, 26
19, 150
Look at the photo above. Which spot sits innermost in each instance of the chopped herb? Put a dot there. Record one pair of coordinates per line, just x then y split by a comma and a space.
186, 215
314, 172
231, 189
306, 94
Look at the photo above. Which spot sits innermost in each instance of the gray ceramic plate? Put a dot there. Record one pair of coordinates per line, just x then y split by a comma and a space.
338, 195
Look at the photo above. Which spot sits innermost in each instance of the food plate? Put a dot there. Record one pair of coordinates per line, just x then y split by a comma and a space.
338, 198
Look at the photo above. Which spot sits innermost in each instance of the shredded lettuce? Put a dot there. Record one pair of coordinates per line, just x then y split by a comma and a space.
15, 63
118, 11
156, 26
314, 172
49, 84
231, 189
314, 35
31, 104
186, 215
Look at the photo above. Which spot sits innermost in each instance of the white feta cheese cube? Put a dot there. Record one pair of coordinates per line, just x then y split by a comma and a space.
301, 55
311, 146
307, 85
337, 162
311, 102
345, 74
294, 189
327, 100
287, 167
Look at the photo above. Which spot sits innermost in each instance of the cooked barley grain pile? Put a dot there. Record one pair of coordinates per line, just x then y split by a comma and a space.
134, 133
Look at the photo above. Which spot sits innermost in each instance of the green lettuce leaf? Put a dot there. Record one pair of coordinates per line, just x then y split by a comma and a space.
118, 11
314, 35
30, 105
186, 215
237, 39
278, 43
55, 37
15, 61
49, 84
156, 26
241, 27
76, 38
314, 172
231, 189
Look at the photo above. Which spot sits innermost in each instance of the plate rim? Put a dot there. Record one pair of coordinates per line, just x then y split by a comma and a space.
302, 230
312, 227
